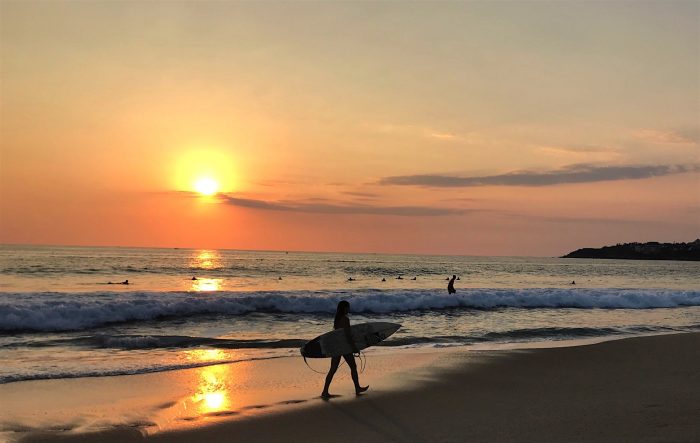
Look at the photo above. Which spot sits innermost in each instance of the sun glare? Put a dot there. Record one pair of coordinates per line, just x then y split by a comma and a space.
206, 186
205, 172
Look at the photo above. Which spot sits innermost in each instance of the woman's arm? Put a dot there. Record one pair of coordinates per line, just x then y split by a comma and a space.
348, 335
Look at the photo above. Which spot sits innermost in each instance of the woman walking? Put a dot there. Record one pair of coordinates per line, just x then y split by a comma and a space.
342, 321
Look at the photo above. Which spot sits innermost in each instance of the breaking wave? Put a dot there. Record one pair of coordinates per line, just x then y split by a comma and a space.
67, 311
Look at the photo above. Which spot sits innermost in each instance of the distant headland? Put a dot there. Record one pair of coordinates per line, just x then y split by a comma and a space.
642, 251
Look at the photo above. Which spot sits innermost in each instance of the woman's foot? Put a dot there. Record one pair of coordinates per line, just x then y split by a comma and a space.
360, 390
325, 395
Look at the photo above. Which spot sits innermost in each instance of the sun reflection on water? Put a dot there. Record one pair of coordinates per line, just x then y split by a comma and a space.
206, 284
206, 355
205, 259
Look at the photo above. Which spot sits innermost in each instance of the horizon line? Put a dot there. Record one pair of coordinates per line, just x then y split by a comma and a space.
282, 251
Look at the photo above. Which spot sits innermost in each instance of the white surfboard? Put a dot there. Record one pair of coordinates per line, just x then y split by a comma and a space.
335, 343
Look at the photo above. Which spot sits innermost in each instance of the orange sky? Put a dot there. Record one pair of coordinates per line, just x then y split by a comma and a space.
459, 128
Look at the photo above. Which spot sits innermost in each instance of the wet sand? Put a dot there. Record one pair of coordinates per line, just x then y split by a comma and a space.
644, 389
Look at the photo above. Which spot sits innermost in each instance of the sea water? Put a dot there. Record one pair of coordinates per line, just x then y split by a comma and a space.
64, 312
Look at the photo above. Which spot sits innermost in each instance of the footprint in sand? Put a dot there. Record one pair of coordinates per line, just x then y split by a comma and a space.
167, 405
222, 413
291, 402
255, 407
140, 424
61, 428
14, 427
188, 418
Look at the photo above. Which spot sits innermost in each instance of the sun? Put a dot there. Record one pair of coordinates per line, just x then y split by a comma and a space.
205, 172
206, 186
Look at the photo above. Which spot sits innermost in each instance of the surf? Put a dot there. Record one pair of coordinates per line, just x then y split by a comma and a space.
67, 311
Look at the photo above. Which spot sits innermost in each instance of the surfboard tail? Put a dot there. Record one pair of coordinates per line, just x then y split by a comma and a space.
312, 349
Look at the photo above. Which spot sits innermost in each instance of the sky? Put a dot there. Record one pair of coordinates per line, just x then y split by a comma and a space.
473, 128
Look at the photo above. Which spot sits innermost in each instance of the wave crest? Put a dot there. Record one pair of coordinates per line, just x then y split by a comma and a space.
63, 311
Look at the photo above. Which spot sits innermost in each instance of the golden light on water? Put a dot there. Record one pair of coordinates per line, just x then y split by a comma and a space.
205, 259
206, 285
206, 355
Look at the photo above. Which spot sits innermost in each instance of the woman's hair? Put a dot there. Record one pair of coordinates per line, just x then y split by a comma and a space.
342, 306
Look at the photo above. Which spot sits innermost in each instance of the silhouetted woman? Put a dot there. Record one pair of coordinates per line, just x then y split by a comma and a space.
342, 321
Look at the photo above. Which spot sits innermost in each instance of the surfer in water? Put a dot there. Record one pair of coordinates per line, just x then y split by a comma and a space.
342, 321
451, 285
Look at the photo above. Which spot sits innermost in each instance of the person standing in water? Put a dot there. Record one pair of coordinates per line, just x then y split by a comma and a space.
451, 285
343, 322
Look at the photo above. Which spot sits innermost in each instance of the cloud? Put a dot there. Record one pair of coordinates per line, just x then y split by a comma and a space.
461, 199
338, 208
683, 136
369, 195
443, 135
581, 173
417, 130
578, 153
690, 134
582, 149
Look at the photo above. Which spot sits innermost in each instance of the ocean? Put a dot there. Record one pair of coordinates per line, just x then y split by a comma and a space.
64, 312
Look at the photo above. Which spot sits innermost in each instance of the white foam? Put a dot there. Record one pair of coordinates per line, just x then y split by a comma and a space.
75, 311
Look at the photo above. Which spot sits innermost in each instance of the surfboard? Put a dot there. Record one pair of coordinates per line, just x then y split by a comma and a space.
335, 343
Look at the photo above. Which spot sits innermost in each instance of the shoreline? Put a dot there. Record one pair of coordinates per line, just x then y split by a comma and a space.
624, 389
485, 346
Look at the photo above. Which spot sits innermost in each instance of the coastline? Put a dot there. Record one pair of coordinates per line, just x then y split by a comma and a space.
631, 389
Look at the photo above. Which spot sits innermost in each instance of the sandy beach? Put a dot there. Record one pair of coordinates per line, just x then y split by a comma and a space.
495, 203
642, 389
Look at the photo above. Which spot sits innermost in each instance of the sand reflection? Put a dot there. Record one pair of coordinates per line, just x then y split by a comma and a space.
215, 384
212, 392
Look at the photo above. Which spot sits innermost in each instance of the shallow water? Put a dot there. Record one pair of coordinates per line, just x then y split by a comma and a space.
59, 317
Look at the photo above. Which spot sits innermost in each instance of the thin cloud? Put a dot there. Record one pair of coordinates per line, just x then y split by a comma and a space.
418, 130
361, 194
462, 199
582, 173
577, 153
688, 136
316, 200
338, 208
443, 136
584, 149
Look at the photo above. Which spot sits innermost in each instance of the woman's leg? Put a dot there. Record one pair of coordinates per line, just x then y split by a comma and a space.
335, 361
350, 359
